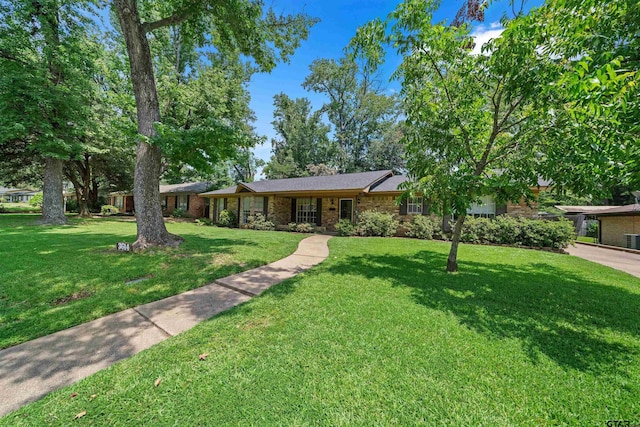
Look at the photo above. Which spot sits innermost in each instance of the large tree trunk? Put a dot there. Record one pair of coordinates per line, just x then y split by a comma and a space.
452, 260
52, 195
146, 184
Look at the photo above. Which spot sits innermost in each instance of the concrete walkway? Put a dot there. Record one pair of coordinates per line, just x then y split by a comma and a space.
620, 260
31, 370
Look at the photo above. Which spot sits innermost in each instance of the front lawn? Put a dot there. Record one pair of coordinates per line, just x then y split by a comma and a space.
379, 334
18, 208
57, 277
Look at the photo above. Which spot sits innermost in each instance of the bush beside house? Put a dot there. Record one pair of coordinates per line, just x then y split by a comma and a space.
505, 230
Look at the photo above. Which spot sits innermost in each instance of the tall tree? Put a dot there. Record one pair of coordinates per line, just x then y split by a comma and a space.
357, 108
598, 141
475, 124
46, 56
302, 138
232, 26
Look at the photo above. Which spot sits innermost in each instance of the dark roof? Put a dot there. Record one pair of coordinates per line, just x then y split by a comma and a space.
187, 187
621, 211
584, 209
350, 181
389, 184
16, 191
228, 190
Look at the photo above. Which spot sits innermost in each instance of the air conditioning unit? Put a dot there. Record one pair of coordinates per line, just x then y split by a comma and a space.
632, 241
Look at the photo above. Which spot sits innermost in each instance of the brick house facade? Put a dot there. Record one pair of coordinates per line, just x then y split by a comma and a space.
616, 223
176, 196
324, 200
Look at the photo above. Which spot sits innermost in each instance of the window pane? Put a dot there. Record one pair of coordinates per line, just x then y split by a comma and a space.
258, 205
414, 205
182, 202
246, 209
220, 208
486, 208
306, 210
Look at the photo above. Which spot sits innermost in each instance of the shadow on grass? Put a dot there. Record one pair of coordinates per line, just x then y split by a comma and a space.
551, 311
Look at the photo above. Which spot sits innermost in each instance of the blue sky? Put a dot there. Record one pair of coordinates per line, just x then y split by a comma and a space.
327, 39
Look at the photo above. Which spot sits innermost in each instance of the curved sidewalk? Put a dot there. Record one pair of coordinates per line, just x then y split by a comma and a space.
623, 261
31, 370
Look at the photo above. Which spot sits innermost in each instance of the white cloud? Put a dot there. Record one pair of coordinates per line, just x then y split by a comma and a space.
483, 34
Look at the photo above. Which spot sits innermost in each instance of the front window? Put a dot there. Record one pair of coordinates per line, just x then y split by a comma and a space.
183, 202
163, 202
246, 209
414, 206
486, 208
258, 205
306, 211
219, 208
118, 202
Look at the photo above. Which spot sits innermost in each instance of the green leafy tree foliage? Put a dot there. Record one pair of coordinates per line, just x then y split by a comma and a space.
472, 123
597, 136
230, 26
46, 56
358, 110
302, 138
244, 166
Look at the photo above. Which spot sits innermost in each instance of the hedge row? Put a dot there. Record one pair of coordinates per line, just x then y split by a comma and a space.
506, 230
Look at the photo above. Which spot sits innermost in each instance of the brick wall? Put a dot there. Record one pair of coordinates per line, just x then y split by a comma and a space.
614, 228
280, 210
196, 206
521, 209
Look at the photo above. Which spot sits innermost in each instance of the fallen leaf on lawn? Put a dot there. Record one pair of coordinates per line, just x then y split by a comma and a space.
203, 356
93, 396
80, 415
157, 383
73, 395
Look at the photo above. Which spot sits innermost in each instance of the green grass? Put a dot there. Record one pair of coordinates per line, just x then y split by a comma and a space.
379, 334
18, 208
57, 277
587, 239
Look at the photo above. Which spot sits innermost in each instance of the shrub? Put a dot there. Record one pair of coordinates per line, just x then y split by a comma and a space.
178, 213
259, 222
227, 219
72, 205
109, 210
478, 230
305, 227
292, 227
203, 221
592, 229
344, 227
36, 201
423, 227
374, 223
505, 230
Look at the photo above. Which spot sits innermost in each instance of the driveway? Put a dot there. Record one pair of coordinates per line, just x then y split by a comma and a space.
620, 260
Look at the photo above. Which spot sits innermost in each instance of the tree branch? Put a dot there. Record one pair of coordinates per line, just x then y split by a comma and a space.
467, 138
174, 19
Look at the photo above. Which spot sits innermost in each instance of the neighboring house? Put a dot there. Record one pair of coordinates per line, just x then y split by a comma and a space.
16, 195
175, 196
582, 216
619, 225
323, 200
